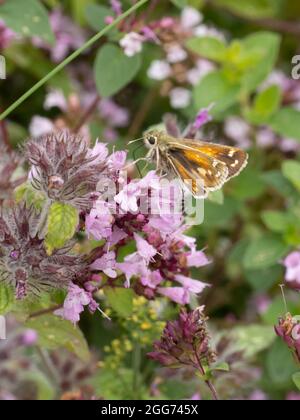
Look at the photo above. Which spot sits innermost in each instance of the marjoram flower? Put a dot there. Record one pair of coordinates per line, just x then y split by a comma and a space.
185, 342
65, 169
24, 263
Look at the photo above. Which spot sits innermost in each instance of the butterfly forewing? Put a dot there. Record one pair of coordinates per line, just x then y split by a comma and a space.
198, 171
201, 166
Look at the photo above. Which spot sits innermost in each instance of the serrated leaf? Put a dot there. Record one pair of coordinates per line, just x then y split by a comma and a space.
296, 379
62, 223
7, 299
28, 18
114, 70
264, 252
120, 299
54, 332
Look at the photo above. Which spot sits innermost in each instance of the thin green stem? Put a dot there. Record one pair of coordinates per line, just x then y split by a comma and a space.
136, 366
69, 59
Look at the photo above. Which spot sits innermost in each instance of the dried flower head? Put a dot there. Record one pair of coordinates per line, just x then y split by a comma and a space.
185, 342
65, 168
24, 263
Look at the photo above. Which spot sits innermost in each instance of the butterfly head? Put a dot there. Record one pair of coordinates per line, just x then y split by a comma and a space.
151, 139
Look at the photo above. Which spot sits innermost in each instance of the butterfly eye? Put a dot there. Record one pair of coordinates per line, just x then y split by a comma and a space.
152, 140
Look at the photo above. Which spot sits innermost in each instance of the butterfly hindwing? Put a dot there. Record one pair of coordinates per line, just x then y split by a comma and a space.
200, 173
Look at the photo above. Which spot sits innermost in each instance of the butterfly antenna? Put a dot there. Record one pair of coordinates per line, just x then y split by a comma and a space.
282, 286
135, 141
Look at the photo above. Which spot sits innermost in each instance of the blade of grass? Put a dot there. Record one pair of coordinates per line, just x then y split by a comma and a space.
70, 58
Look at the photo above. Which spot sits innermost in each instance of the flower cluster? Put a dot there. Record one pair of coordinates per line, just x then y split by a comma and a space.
179, 69
185, 342
65, 169
24, 263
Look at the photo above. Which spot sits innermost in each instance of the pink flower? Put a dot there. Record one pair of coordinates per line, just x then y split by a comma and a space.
145, 250
193, 286
133, 266
56, 98
152, 279
203, 118
107, 264
197, 259
116, 6
99, 152
6, 35
159, 70
74, 304
99, 222
132, 43
115, 115
117, 161
40, 126
292, 264
128, 197
177, 294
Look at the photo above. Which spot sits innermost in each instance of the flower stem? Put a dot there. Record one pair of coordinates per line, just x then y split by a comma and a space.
70, 58
207, 381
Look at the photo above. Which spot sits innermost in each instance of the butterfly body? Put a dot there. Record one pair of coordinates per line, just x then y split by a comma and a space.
201, 166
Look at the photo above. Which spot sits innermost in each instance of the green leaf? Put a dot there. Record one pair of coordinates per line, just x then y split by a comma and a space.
32, 197
286, 122
220, 366
251, 339
296, 379
251, 9
263, 279
264, 252
120, 299
211, 48
62, 223
54, 332
266, 46
248, 185
266, 103
216, 88
276, 180
277, 221
114, 70
280, 365
96, 14
7, 299
28, 18
291, 170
